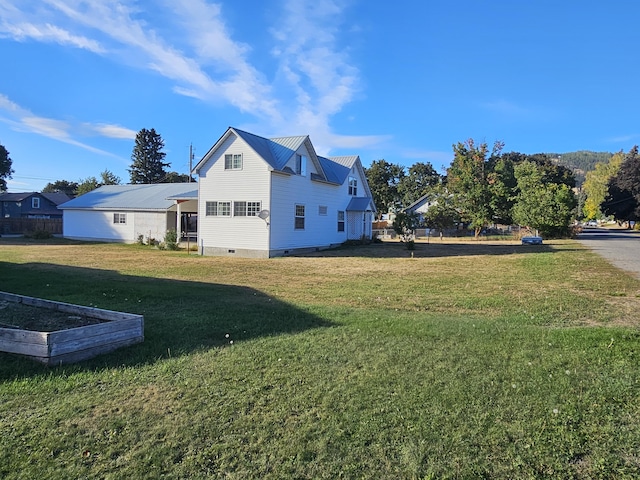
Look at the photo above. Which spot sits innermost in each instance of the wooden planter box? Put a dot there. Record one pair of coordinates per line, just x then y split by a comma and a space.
73, 344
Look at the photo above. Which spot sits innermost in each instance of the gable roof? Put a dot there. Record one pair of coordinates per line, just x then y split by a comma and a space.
154, 197
275, 151
56, 198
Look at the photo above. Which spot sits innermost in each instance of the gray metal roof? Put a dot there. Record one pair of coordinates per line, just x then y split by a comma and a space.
159, 196
361, 204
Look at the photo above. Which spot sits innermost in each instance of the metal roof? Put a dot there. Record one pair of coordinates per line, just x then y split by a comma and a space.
361, 204
158, 196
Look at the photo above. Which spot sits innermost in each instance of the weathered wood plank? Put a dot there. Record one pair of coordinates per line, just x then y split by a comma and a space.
74, 344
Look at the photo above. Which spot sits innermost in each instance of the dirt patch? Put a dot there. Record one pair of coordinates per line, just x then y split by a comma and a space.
38, 319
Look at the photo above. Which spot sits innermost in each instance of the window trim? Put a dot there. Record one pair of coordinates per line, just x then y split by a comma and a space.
353, 186
341, 220
233, 161
299, 217
212, 208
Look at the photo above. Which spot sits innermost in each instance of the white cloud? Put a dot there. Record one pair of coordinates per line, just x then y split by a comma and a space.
113, 131
48, 33
191, 43
21, 119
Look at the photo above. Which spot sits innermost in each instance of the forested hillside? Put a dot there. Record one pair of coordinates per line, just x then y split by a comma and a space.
580, 162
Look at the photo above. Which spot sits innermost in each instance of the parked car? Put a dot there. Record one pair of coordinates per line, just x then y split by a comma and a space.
533, 240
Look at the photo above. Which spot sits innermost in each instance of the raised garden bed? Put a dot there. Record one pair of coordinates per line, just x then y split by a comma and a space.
55, 332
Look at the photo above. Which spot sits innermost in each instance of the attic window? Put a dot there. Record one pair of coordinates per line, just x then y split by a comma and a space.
353, 186
301, 165
35, 202
233, 161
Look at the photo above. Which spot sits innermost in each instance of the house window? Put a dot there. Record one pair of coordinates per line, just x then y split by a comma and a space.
301, 165
299, 218
35, 202
119, 218
253, 209
233, 161
322, 210
246, 209
353, 186
239, 209
341, 221
218, 209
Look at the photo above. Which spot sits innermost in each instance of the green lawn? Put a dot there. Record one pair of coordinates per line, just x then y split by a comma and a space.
470, 360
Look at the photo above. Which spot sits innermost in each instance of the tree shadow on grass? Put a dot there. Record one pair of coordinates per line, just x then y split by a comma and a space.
433, 249
180, 317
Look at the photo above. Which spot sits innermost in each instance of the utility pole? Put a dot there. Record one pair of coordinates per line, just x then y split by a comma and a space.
190, 160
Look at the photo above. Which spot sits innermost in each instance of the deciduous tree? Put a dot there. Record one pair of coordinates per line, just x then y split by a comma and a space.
383, 179
468, 180
5, 168
544, 206
623, 199
62, 186
596, 185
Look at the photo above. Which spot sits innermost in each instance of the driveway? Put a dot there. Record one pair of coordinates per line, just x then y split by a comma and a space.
619, 247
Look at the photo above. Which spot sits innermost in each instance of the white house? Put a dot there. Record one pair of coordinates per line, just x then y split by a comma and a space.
123, 213
260, 197
421, 206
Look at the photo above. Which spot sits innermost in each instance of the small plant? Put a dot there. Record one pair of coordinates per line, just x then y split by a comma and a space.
171, 239
140, 240
39, 235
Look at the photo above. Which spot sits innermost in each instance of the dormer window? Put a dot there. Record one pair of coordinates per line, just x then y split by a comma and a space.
35, 202
353, 186
233, 161
301, 165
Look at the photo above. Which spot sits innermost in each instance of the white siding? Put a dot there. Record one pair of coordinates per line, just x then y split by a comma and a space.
97, 225
320, 230
251, 184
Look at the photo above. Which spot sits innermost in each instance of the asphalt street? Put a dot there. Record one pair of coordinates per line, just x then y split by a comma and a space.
619, 247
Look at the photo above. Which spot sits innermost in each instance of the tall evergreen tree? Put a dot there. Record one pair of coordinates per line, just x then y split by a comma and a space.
5, 168
147, 158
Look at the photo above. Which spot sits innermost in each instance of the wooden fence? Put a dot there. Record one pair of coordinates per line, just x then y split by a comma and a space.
21, 226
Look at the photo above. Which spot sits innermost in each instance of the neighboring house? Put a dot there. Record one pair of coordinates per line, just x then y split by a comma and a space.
260, 197
420, 207
31, 205
126, 213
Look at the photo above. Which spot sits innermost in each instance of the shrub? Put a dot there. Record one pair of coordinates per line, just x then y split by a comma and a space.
171, 239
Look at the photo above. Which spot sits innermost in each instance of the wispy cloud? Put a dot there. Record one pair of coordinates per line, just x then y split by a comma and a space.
113, 131
309, 81
21, 119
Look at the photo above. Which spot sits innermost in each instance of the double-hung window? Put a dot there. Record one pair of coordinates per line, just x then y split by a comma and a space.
299, 217
340, 220
218, 209
353, 186
233, 161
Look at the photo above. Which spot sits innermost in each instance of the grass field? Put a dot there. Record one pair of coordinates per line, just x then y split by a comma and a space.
469, 360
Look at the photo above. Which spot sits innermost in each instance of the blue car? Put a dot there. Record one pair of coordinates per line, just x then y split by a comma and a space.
532, 240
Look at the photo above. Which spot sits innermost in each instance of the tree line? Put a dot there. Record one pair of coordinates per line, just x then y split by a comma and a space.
147, 166
481, 187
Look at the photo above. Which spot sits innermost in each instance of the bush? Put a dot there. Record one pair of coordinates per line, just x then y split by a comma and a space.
171, 239
39, 235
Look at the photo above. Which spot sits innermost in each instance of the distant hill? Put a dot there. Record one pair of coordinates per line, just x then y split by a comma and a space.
580, 162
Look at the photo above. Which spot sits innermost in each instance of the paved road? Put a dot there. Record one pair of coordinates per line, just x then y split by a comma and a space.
620, 247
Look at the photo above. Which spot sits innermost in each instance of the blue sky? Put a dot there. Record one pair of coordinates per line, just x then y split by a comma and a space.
403, 81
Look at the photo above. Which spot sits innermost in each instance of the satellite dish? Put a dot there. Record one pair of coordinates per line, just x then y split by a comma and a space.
263, 214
